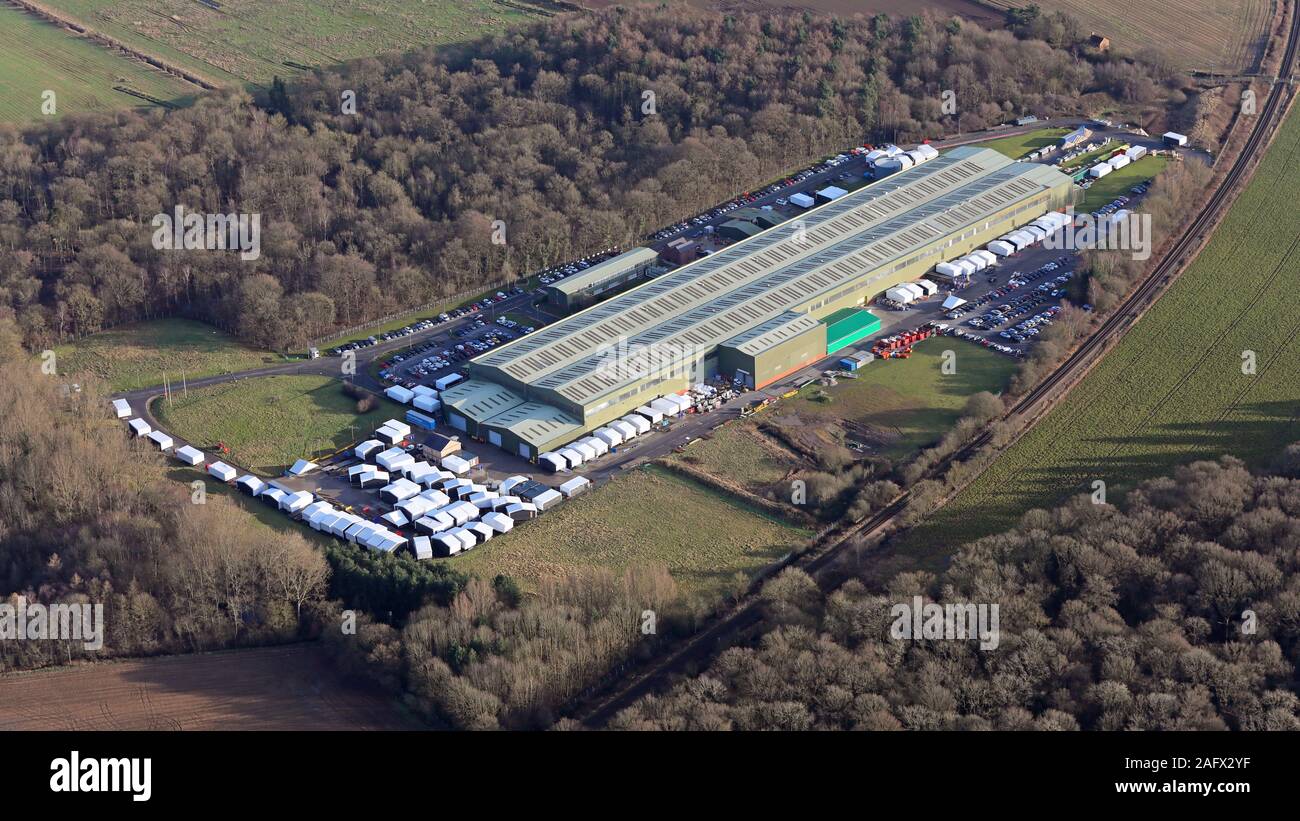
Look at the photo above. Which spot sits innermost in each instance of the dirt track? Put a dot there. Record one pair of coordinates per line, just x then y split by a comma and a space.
272, 688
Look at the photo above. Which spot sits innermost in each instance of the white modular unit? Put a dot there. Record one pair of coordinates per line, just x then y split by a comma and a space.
139, 427
398, 491
445, 544
251, 485
655, 416
222, 471
600, 446
521, 511
122, 408
1137, 152
553, 462
642, 425
422, 547
424, 390
1099, 170
508, 484
456, 465
626, 430
665, 407
162, 440
1120, 161
549, 499
447, 381
499, 522
587, 451
367, 447
574, 486
428, 404
399, 394
294, 502
1001, 248
611, 437
573, 457
900, 295
189, 455
394, 459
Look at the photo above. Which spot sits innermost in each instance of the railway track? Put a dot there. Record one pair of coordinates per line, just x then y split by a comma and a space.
696, 651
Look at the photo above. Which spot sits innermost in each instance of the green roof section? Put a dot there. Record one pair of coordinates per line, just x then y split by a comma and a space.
849, 325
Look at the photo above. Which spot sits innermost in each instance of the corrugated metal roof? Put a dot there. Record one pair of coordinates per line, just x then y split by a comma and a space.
609, 269
772, 333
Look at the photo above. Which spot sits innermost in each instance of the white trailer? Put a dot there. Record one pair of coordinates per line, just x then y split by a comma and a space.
189, 455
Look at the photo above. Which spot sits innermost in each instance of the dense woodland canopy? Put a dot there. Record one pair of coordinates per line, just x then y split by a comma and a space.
1111, 619
544, 128
90, 516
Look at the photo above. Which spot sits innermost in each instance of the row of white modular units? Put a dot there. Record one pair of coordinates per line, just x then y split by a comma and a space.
423, 397
1034, 232
971, 264
909, 292
603, 440
1117, 162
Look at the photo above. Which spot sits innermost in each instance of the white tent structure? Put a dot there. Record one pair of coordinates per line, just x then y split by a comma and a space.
122, 408
802, 200
456, 465
162, 440
550, 498
553, 462
139, 427
574, 486
953, 301
508, 484
625, 428
302, 466
573, 457
294, 502
189, 455
394, 459
250, 484
422, 547
398, 491
655, 416
367, 447
499, 522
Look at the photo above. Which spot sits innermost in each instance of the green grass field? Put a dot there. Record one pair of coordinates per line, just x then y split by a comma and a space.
137, 356
252, 40
734, 453
1119, 182
646, 517
1019, 145
911, 398
269, 422
1174, 390
36, 56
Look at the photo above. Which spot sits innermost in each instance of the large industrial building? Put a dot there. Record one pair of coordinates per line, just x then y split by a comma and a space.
754, 309
583, 288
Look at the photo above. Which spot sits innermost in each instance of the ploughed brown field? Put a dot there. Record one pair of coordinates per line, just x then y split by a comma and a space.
269, 688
